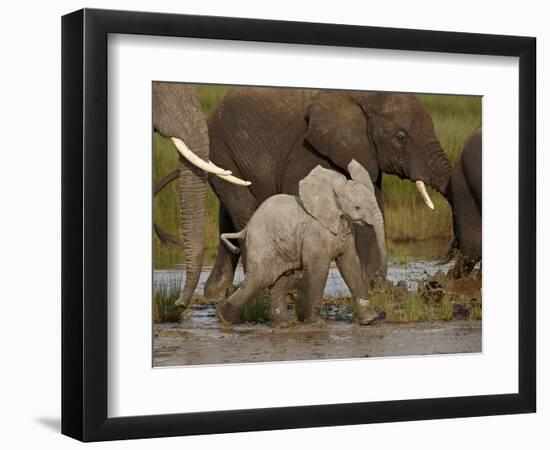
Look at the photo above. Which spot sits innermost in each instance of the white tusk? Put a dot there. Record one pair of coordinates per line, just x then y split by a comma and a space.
424, 194
196, 161
234, 180
227, 172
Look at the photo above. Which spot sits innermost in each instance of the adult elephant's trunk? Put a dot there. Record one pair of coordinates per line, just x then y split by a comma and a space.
192, 196
378, 225
439, 170
177, 113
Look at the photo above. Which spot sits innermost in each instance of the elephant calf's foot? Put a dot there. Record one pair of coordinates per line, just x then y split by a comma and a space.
280, 318
317, 323
365, 313
283, 322
226, 314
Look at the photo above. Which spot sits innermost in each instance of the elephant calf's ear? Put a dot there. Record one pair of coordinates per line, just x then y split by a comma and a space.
360, 174
337, 129
317, 195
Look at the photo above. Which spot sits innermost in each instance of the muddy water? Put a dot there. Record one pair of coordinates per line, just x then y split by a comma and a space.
198, 339
411, 273
177, 345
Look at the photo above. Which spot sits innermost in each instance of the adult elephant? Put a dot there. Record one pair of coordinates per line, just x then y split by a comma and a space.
177, 114
465, 199
274, 137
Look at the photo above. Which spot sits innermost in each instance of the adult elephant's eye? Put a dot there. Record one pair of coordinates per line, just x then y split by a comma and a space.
401, 137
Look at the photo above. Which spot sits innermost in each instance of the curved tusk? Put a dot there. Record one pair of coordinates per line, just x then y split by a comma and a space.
226, 172
424, 194
234, 180
196, 161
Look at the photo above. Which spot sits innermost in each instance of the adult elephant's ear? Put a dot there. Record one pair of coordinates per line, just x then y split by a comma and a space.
337, 129
318, 198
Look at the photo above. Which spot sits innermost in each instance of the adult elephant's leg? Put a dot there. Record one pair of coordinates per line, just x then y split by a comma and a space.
453, 249
237, 204
350, 268
367, 246
468, 225
280, 297
220, 279
471, 241
367, 251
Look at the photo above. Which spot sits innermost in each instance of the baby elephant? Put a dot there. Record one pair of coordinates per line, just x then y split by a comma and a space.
305, 233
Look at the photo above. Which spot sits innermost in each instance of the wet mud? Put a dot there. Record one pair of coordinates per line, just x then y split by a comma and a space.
205, 343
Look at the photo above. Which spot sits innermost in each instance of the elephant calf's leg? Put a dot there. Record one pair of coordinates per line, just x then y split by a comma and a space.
280, 297
228, 310
350, 267
316, 275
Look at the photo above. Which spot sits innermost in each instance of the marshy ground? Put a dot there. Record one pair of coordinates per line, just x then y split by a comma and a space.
422, 311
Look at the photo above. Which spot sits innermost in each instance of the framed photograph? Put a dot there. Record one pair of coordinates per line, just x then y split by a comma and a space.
273, 225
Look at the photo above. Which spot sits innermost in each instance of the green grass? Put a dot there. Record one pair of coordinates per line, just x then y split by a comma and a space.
438, 298
257, 309
209, 96
455, 117
410, 306
164, 307
475, 312
411, 228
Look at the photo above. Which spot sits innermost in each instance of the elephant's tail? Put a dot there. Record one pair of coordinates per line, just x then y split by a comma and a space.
226, 236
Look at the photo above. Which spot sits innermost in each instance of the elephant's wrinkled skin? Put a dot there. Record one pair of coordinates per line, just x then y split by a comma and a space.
274, 137
465, 199
289, 233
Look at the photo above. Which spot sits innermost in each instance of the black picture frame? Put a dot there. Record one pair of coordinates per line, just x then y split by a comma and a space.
84, 224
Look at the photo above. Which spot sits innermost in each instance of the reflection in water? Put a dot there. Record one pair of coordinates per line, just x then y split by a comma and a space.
411, 273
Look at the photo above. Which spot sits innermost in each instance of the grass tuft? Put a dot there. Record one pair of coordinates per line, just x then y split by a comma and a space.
257, 309
164, 307
475, 312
